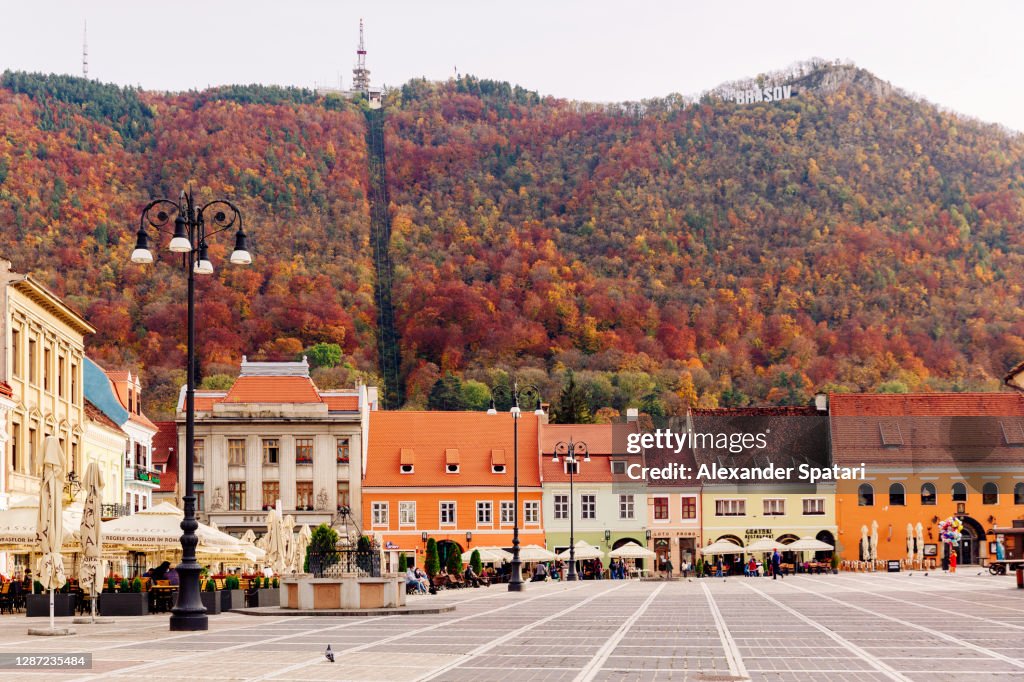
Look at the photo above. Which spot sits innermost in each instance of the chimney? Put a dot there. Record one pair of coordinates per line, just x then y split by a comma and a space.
632, 414
821, 402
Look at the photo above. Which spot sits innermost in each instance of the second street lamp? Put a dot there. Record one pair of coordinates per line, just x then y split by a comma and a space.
190, 240
571, 451
515, 394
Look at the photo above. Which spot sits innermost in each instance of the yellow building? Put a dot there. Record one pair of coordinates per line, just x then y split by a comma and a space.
783, 510
42, 363
104, 443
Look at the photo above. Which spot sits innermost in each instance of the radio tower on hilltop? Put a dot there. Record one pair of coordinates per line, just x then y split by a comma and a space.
85, 49
360, 74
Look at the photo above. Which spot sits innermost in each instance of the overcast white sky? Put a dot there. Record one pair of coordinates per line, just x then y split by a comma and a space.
965, 56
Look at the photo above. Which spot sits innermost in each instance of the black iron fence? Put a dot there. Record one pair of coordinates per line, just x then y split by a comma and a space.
335, 563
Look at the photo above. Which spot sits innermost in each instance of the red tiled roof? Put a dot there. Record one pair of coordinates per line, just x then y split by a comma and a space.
6, 390
927, 429
341, 403
165, 441
273, 389
205, 403
97, 415
430, 434
598, 439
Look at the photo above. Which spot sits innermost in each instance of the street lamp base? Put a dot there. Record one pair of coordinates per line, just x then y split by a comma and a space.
515, 587
190, 621
571, 578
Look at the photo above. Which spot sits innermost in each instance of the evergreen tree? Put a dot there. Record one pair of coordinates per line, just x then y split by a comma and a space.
403, 562
573, 404
454, 561
474, 561
433, 564
446, 394
323, 542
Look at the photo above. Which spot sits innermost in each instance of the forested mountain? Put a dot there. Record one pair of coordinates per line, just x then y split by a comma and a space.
671, 252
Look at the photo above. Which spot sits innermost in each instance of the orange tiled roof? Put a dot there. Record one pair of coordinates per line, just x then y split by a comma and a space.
598, 438
341, 403
927, 429
165, 441
205, 403
273, 389
430, 434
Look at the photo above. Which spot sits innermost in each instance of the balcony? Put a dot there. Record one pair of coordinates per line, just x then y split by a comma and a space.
113, 511
143, 475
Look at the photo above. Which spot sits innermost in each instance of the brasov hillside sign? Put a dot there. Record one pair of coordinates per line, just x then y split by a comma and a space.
770, 94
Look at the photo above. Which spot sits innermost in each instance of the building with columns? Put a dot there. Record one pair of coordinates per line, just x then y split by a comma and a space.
275, 436
42, 360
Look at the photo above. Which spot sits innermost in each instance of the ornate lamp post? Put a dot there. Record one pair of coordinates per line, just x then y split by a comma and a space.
190, 239
515, 394
570, 451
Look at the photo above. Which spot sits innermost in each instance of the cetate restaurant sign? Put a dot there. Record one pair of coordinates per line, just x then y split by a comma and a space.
774, 93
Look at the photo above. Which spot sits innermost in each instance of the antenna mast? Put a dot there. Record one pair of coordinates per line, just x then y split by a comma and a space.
85, 49
360, 74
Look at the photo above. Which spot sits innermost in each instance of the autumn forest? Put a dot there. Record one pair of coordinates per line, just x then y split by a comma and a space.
670, 253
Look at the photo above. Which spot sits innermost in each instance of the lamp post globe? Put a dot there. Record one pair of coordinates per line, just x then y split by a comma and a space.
192, 228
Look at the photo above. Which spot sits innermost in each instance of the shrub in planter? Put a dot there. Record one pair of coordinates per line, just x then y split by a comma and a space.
111, 585
136, 586
211, 585
38, 605
276, 584
125, 585
124, 603
231, 597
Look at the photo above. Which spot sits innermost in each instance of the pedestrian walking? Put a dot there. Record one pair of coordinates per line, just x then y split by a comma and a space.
776, 563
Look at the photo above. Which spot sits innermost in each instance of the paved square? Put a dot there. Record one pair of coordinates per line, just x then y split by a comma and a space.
836, 627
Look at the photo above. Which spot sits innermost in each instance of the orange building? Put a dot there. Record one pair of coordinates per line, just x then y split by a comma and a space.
448, 476
927, 457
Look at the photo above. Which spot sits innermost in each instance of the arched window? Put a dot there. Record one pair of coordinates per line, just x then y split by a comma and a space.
990, 493
1018, 493
865, 495
959, 492
927, 494
897, 495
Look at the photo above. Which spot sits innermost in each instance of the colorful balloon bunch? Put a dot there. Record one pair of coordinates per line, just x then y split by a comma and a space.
950, 530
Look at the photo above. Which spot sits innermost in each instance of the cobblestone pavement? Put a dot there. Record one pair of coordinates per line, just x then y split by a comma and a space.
842, 627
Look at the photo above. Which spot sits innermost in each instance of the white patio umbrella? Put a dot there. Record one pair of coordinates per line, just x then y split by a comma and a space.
275, 553
534, 553
808, 544
489, 555
721, 547
50, 529
248, 537
865, 550
874, 540
19, 521
910, 542
213, 524
287, 538
90, 573
631, 550
920, 542
302, 541
582, 551
762, 545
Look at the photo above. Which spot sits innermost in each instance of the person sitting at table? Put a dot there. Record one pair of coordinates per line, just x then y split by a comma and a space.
160, 572
540, 573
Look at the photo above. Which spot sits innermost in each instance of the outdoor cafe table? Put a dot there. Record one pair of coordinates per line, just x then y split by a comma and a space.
163, 596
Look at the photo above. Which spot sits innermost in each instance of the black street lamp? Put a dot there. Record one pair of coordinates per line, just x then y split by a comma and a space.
570, 451
515, 393
190, 239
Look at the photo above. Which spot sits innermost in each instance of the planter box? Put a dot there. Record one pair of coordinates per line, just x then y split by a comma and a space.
38, 605
211, 600
124, 604
270, 596
232, 599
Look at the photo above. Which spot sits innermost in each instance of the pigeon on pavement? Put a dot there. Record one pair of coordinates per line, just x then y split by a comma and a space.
329, 655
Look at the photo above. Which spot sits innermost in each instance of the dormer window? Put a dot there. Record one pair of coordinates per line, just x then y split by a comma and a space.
407, 461
498, 462
572, 466
451, 461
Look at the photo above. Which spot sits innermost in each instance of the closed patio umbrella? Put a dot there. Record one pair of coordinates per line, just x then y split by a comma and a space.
302, 541
865, 550
275, 543
910, 542
287, 540
248, 537
50, 528
874, 540
920, 542
90, 573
